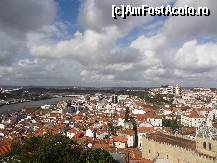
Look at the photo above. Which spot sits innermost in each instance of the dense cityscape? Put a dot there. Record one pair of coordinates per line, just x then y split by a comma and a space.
149, 125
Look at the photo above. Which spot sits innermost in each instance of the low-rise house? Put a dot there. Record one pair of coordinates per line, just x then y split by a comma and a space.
206, 112
130, 135
119, 142
155, 120
2, 126
71, 133
192, 119
101, 134
142, 131
89, 133
120, 122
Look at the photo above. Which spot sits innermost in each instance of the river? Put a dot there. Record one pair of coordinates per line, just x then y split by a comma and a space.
19, 106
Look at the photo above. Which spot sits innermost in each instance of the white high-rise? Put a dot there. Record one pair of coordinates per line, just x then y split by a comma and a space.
177, 90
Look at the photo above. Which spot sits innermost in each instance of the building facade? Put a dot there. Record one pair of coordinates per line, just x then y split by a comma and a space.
168, 149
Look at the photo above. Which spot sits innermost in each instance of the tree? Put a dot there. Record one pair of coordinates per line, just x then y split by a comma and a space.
98, 156
111, 128
173, 124
53, 149
50, 148
127, 114
135, 129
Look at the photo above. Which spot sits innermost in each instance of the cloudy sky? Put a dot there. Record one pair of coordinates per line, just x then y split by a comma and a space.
76, 42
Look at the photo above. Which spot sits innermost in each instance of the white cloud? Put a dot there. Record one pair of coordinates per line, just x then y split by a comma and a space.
96, 14
195, 57
182, 28
92, 55
87, 48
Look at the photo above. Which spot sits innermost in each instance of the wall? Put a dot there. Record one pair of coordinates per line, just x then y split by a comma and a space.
210, 146
153, 150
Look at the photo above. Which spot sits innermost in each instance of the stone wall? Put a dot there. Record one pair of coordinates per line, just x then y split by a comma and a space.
173, 154
206, 146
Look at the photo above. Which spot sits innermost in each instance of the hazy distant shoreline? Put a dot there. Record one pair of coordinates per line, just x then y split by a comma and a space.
19, 106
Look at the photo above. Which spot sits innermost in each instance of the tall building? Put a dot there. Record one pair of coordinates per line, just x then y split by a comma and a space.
177, 90
114, 99
168, 89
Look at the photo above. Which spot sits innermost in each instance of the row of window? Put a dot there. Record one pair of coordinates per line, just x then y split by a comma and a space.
205, 145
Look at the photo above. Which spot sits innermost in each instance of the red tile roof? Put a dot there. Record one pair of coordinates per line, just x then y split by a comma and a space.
163, 138
119, 139
145, 129
5, 149
194, 114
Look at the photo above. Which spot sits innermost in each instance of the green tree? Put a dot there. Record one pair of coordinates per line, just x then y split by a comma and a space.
53, 149
135, 129
98, 156
127, 114
50, 148
171, 123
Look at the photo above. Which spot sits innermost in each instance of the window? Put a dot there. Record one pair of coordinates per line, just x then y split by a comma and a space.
204, 145
149, 151
210, 146
158, 154
167, 156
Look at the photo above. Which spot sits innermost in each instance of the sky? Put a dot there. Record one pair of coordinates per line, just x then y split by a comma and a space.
78, 43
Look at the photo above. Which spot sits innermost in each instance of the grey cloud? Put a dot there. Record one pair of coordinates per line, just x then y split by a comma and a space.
93, 57
185, 28
41, 72
17, 18
9, 47
20, 16
96, 14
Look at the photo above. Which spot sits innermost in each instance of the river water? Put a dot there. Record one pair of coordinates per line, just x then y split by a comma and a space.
19, 106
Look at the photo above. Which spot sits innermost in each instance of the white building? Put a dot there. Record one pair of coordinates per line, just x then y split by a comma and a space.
71, 133
138, 111
142, 132
130, 135
156, 120
119, 142
89, 133
177, 90
168, 89
2, 126
207, 112
45, 107
192, 119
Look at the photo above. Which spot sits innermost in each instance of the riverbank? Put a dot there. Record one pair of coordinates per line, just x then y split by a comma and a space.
19, 106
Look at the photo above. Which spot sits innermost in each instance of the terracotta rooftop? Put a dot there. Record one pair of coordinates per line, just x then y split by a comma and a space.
205, 109
145, 129
176, 141
177, 109
194, 114
127, 132
5, 149
102, 146
119, 139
